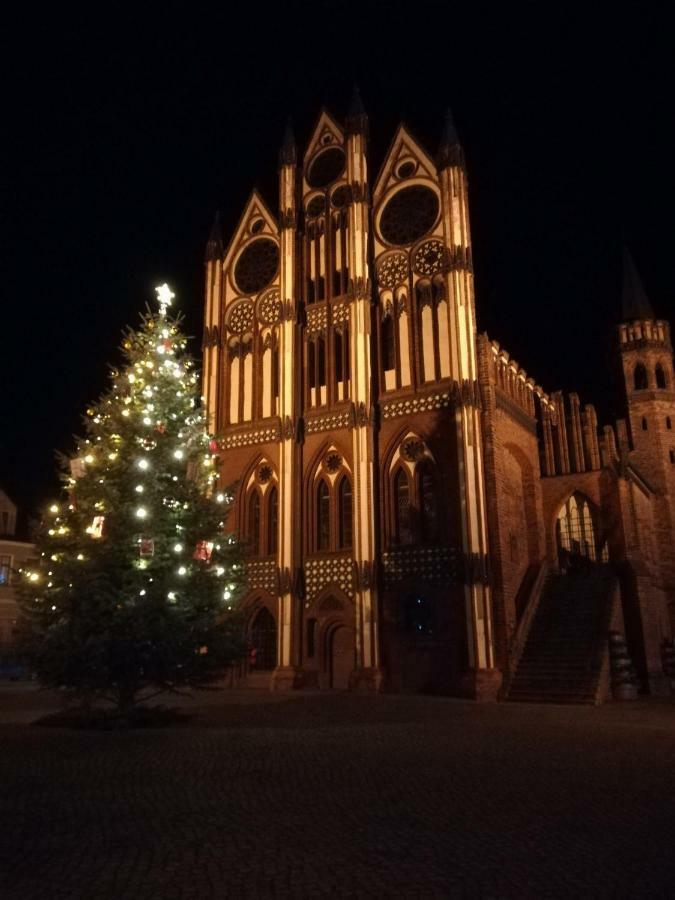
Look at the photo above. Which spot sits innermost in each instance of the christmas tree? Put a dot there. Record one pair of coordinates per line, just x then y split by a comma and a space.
137, 589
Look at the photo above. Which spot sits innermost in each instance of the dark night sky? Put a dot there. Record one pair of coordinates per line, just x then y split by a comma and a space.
127, 133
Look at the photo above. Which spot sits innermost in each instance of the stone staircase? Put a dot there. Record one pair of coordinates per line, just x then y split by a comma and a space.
563, 655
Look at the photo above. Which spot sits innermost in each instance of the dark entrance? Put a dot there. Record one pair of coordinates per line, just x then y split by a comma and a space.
264, 640
340, 657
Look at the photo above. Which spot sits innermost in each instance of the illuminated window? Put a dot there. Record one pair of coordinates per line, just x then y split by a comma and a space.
576, 530
5, 568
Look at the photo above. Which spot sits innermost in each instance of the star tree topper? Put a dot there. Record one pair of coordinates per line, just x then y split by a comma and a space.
164, 296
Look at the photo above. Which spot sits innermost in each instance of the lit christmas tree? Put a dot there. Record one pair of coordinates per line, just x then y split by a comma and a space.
138, 585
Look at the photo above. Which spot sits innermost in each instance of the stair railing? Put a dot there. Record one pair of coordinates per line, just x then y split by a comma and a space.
523, 628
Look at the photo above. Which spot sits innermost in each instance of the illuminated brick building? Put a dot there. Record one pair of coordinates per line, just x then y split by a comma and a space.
405, 490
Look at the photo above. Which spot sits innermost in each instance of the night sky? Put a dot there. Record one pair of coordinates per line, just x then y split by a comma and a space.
126, 133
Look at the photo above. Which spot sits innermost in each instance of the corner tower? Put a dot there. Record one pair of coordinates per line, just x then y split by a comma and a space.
646, 355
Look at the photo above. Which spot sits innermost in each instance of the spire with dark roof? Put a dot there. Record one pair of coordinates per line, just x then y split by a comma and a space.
634, 301
214, 245
357, 117
287, 152
450, 151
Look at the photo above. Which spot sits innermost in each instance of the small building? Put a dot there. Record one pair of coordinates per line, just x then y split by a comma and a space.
15, 554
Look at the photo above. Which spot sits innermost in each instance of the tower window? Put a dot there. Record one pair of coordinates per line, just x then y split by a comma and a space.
660, 376
669, 423
672, 456
640, 377
644, 423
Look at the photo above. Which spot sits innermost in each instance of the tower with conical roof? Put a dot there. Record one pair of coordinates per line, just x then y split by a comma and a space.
646, 355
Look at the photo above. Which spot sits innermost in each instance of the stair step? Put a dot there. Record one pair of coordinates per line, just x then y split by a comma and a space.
559, 662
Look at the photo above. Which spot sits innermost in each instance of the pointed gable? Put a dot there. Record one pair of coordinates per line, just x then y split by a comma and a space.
255, 210
326, 132
403, 149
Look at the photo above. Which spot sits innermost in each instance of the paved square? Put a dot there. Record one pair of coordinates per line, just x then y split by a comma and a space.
350, 796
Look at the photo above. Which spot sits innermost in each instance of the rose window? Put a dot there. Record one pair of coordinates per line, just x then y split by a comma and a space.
326, 168
240, 319
269, 308
409, 215
393, 270
429, 258
257, 265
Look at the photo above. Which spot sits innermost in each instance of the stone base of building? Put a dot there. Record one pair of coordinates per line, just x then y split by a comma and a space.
481, 684
367, 680
659, 684
287, 678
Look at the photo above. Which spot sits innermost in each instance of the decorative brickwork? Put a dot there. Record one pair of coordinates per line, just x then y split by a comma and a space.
326, 571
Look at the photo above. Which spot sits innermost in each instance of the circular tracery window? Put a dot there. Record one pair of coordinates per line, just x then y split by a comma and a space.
409, 215
341, 196
316, 206
240, 318
326, 168
257, 266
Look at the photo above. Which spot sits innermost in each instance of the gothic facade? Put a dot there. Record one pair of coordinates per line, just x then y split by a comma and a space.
403, 488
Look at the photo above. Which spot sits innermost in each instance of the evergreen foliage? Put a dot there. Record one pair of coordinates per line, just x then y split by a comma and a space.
138, 583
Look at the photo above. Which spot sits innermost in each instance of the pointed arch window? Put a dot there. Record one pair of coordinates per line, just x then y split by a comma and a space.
323, 516
640, 377
576, 531
311, 364
272, 519
402, 527
254, 523
660, 376
345, 513
388, 345
321, 361
426, 494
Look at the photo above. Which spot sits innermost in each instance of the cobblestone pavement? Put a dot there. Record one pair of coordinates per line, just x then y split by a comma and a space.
352, 796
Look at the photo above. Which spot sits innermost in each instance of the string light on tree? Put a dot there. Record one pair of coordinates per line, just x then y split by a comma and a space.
123, 478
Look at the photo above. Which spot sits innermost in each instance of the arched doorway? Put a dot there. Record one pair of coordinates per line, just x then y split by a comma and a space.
577, 532
263, 637
340, 657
